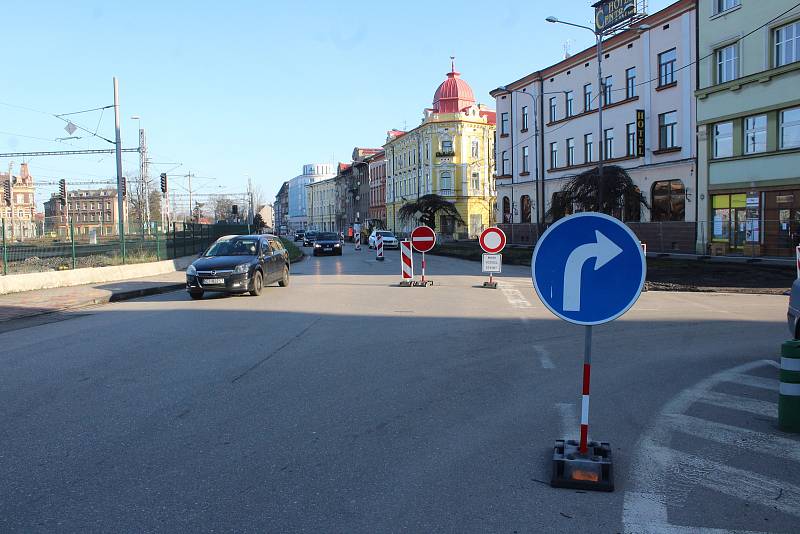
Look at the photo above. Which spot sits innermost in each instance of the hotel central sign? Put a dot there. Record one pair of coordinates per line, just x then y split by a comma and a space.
609, 13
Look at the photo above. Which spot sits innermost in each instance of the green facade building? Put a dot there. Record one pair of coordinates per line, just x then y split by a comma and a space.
748, 125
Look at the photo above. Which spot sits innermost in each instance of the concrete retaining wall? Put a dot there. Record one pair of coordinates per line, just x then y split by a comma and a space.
16, 283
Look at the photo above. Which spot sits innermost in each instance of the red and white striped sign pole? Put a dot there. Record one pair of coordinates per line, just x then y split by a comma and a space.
379, 247
406, 263
587, 369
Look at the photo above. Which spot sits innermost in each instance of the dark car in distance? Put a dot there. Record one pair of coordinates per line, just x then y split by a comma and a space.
239, 264
327, 243
298, 235
308, 238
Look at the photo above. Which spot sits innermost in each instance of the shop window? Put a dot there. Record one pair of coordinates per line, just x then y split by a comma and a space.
669, 201
525, 205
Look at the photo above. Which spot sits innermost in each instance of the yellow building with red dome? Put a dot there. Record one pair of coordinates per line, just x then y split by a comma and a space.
451, 154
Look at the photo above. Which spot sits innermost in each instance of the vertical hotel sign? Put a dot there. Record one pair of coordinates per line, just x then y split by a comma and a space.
640, 132
609, 13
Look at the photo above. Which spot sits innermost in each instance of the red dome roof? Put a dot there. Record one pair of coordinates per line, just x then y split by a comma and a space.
453, 95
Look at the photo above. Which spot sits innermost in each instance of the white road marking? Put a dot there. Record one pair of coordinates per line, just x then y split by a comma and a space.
544, 357
735, 436
645, 503
744, 404
515, 297
754, 381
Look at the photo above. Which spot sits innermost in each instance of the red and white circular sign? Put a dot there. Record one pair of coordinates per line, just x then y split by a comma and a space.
493, 240
423, 238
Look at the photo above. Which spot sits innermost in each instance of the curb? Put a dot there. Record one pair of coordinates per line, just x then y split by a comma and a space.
113, 297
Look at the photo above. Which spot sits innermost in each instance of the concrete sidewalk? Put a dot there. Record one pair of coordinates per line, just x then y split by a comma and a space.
32, 303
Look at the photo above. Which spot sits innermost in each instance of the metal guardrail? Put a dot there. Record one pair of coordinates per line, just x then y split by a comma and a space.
54, 246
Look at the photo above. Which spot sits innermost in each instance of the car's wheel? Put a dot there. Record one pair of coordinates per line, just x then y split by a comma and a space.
258, 284
196, 295
284, 281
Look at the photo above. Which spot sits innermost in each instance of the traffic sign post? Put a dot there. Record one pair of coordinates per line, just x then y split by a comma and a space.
588, 269
492, 241
423, 239
378, 246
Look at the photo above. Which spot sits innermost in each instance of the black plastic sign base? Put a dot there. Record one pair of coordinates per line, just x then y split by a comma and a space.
592, 471
406, 283
490, 285
420, 283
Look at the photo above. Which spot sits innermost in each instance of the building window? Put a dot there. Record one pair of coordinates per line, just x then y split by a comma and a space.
630, 82
553, 155
476, 181
608, 143
755, 134
726, 63
525, 209
525, 159
587, 97
506, 210
630, 139
553, 109
669, 201
475, 148
505, 163
588, 148
504, 123
524, 120
667, 126
569, 103
724, 5
723, 140
608, 83
666, 67
790, 128
447, 146
570, 152
787, 44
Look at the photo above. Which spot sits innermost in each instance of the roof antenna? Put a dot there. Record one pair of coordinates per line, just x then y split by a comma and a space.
452, 63
565, 46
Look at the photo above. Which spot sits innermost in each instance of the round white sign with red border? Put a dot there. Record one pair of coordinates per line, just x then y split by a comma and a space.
423, 238
493, 240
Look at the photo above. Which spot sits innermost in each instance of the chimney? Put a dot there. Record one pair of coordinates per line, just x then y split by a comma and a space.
23, 172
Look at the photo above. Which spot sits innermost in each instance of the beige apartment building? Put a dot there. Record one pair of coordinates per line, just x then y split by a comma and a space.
89, 209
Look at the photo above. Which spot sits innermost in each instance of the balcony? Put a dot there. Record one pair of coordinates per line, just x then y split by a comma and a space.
445, 154
447, 192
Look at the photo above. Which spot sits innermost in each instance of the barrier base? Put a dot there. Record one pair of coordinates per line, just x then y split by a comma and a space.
406, 283
420, 283
490, 285
380, 258
592, 471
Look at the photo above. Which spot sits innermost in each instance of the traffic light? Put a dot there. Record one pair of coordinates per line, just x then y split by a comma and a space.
235, 209
164, 183
124, 187
7, 191
62, 191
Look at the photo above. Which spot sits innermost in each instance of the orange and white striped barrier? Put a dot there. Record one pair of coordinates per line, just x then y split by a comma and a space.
406, 263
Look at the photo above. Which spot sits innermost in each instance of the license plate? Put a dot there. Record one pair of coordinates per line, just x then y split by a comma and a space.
212, 281
328, 248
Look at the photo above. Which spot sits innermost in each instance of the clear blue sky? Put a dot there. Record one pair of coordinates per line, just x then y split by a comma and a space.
253, 87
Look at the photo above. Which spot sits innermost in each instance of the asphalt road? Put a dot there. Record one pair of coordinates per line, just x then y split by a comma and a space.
345, 403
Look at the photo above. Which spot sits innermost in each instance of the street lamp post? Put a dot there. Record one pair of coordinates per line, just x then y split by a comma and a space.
599, 34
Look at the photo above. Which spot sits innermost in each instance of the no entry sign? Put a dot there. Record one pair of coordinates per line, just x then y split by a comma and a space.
423, 238
492, 240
